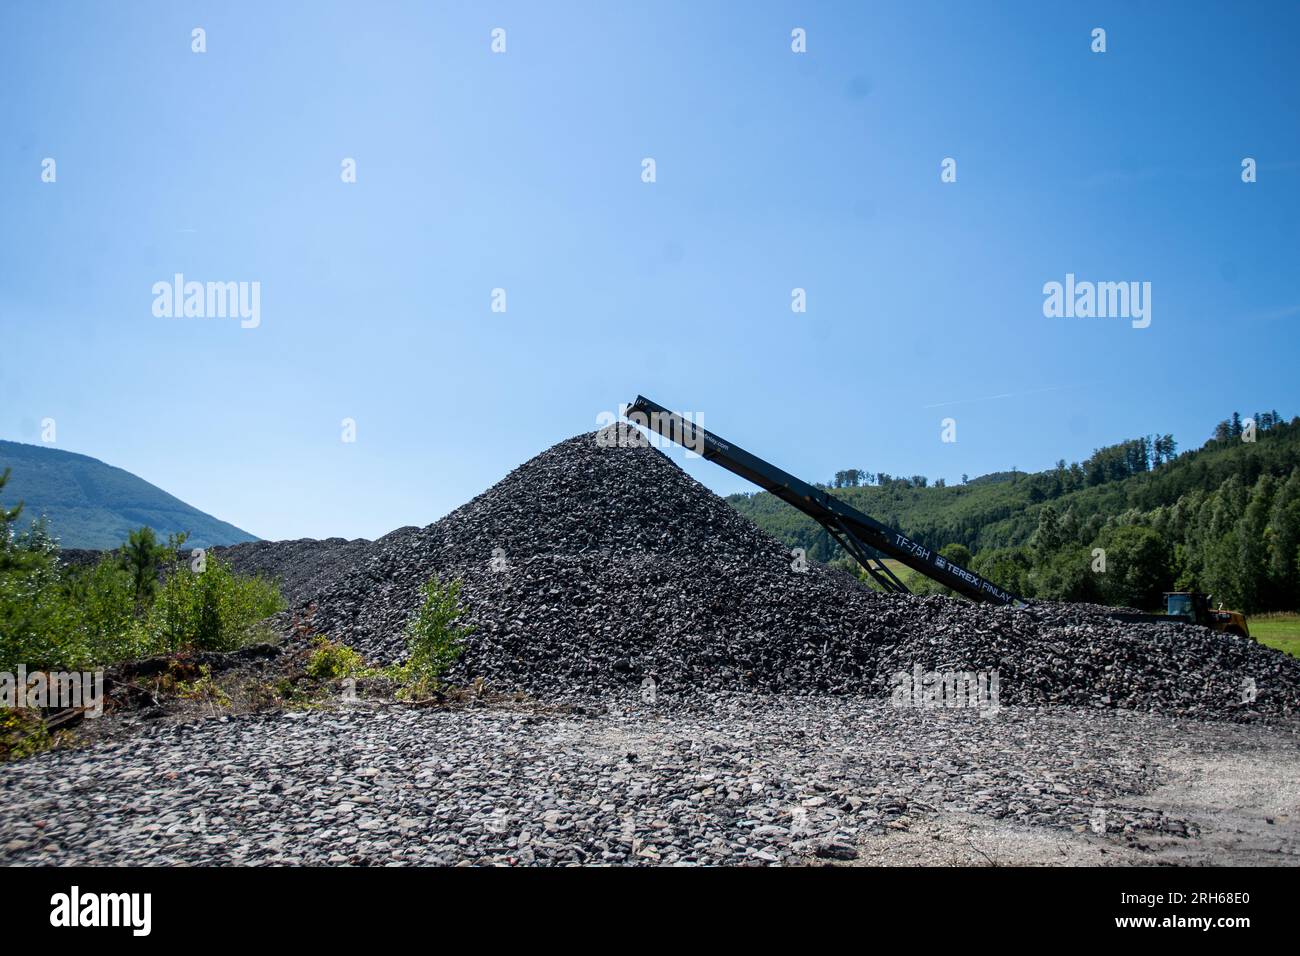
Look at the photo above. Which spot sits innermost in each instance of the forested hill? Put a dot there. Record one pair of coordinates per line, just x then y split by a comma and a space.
88, 504
1224, 517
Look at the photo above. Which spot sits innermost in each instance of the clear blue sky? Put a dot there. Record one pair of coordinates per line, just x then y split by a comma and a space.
523, 171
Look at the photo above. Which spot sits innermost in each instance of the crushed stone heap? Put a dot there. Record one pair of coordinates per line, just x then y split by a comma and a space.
600, 562
297, 565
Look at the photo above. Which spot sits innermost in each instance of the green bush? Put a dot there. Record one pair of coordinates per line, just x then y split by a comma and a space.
22, 734
209, 610
1008, 567
434, 640
94, 616
331, 661
29, 572
203, 688
54, 618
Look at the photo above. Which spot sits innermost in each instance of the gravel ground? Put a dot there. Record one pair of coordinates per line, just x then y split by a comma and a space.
729, 779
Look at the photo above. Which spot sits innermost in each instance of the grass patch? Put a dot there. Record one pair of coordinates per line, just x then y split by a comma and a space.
332, 661
203, 688
1280, 631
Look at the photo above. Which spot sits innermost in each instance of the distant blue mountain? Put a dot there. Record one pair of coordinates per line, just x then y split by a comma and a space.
89, 504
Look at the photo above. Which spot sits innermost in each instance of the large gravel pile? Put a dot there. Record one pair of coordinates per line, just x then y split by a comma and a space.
600, 563
295, 565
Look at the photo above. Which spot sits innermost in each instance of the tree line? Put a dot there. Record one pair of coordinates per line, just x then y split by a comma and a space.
1131, 521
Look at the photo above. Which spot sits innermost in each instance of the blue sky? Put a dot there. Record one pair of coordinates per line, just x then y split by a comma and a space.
522, 171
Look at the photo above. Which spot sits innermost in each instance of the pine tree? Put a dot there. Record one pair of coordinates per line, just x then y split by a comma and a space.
7, 518
1252, 544
1047, 539
143, 557
1070, 529
20, 551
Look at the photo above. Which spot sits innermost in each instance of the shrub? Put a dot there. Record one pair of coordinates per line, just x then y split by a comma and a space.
29, 609
95, 618
203, 688
209, 610
434, 640
144, 559
331, 661
1007, 567
54, 618
22, 734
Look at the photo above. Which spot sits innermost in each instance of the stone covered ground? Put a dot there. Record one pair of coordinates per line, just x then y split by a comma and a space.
731, 779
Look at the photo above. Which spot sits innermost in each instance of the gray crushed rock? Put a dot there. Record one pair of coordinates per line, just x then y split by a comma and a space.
600, 562
736, 779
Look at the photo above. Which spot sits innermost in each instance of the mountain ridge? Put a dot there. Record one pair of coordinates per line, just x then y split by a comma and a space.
89, 503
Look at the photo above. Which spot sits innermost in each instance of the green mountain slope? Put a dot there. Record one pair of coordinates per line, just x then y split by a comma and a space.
89, 504
1224, 515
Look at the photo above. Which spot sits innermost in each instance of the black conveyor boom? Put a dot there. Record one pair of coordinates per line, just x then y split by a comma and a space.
859, 535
